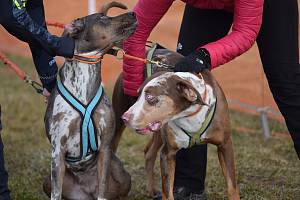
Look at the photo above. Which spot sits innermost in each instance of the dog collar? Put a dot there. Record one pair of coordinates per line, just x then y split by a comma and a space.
88, 59
195, 137
94, 59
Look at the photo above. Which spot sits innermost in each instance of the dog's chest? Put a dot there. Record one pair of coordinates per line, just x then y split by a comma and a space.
67, 123
180, 138
187, 140
193, 129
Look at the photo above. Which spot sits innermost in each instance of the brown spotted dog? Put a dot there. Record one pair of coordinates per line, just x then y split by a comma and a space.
183, 109
83, 166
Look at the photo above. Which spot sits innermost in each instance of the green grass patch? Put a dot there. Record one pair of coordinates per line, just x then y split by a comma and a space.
266, 169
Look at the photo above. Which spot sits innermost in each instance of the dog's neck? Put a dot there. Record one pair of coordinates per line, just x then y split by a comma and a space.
193, 123
81, 79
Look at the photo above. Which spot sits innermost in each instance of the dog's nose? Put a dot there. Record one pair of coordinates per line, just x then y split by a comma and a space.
126, 117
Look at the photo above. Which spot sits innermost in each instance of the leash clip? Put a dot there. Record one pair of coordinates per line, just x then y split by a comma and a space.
160, 64
118, 53
36, 86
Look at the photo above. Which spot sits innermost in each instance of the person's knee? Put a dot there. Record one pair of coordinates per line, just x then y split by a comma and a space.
284, 80
281, 72
286, 93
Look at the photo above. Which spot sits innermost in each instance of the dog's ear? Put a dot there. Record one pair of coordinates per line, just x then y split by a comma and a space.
188, 91
73, 29
112, 4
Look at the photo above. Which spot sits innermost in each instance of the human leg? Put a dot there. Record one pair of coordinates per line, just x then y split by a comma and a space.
198, 28
4, 191
278, 46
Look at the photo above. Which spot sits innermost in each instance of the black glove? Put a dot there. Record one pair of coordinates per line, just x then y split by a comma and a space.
196, 62
66, 47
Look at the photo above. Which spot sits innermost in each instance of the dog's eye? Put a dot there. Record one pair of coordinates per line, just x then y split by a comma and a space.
152, 100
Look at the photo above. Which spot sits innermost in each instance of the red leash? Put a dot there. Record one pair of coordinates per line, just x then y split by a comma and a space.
123, 54
21, 74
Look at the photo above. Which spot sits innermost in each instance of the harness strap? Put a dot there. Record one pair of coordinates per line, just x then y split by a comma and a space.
149, 57
195, 137
88, 137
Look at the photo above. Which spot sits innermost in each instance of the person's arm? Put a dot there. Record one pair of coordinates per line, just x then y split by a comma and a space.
149, 13
61, 46
246, 25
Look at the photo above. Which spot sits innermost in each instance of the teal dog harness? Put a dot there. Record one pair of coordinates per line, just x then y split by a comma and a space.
88, 137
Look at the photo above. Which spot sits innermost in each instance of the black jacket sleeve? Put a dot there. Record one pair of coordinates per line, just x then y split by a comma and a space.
61, 46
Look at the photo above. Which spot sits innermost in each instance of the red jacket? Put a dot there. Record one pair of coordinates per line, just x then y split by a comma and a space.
246, 24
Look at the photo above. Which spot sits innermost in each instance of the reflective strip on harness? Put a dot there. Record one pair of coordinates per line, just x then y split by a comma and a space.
20, 5
88, 133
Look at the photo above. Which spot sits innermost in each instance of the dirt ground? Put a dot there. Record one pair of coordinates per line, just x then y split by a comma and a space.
241, 79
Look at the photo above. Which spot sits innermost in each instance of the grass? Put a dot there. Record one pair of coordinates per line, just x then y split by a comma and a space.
266, 169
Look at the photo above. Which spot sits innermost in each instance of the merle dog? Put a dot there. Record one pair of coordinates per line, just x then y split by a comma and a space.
99, 174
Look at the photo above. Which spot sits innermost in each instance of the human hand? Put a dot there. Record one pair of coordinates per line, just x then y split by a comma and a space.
197, 61
67, 46
46, 94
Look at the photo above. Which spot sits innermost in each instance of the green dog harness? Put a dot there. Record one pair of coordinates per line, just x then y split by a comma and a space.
195, 137
150, 53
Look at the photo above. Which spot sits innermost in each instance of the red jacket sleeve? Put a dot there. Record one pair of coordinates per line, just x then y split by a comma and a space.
149, 13
246, 25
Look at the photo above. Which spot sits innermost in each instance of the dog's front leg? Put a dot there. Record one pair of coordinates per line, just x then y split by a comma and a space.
150, 156
167, 164
226, 159
103, 170
57, 169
